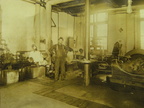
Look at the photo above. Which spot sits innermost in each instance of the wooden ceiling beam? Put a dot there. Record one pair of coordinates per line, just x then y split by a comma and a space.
54, 2
71, 6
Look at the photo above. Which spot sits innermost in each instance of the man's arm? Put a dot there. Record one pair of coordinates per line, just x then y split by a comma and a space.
68, 48
53, 48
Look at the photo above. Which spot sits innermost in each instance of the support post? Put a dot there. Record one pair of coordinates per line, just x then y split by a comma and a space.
37, 25
43, 34
87, 17
87, 62
48, 26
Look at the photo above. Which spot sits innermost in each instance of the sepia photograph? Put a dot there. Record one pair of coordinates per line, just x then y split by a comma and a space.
71, 54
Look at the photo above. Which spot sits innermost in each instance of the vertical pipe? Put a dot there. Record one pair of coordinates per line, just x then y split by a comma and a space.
87, 73
126, 40
134, 33
87, 22
42, 27
37, 25
87, 17
58, 25
48, 26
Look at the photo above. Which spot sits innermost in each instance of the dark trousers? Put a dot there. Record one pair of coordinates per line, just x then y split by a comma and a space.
60, 68
115, 55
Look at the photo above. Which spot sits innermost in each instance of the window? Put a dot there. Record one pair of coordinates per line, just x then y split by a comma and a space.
101, 17
142, 13
99, 30
91, 34
142, 28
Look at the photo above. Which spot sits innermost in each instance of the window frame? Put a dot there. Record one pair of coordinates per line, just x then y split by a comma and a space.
95, 23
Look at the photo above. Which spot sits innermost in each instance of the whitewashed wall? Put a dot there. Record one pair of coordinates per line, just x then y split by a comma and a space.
18, 24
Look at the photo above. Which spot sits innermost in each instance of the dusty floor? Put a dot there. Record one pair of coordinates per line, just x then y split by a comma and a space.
71, 93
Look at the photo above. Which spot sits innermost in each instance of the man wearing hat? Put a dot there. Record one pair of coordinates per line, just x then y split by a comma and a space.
60, 52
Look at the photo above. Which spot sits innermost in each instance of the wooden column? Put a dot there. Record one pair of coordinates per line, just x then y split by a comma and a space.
48, 26
87, 62
37, 25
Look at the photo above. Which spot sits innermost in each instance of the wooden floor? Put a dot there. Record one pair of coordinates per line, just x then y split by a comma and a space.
70, 93
80, 103
71, 100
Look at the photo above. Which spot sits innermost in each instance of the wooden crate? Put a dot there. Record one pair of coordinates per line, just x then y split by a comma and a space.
36, 71
9, 76
23, 74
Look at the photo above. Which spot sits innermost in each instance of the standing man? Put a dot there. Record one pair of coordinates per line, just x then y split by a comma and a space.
117, 49
60, 52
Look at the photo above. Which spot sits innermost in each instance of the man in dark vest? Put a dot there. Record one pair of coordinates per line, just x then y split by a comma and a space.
60, 53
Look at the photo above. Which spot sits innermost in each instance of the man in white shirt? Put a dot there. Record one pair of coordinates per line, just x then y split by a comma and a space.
35, 55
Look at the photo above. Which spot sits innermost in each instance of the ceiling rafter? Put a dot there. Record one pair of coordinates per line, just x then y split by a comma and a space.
77, 6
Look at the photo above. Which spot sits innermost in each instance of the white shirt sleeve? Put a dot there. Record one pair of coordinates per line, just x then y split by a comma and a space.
36, 55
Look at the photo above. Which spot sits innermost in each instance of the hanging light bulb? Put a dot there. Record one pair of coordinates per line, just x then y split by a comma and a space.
129, 8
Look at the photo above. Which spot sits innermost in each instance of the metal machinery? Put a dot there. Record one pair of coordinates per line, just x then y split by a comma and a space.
14, 68
128, 72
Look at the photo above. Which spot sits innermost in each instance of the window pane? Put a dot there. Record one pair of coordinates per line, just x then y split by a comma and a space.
91, 19
142, 27
91, 40
95, 17
102, 30
142, 13
102, 43
102, 17
142, 42
91, 31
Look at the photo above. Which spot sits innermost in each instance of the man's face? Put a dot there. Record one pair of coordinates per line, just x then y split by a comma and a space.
60, 41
